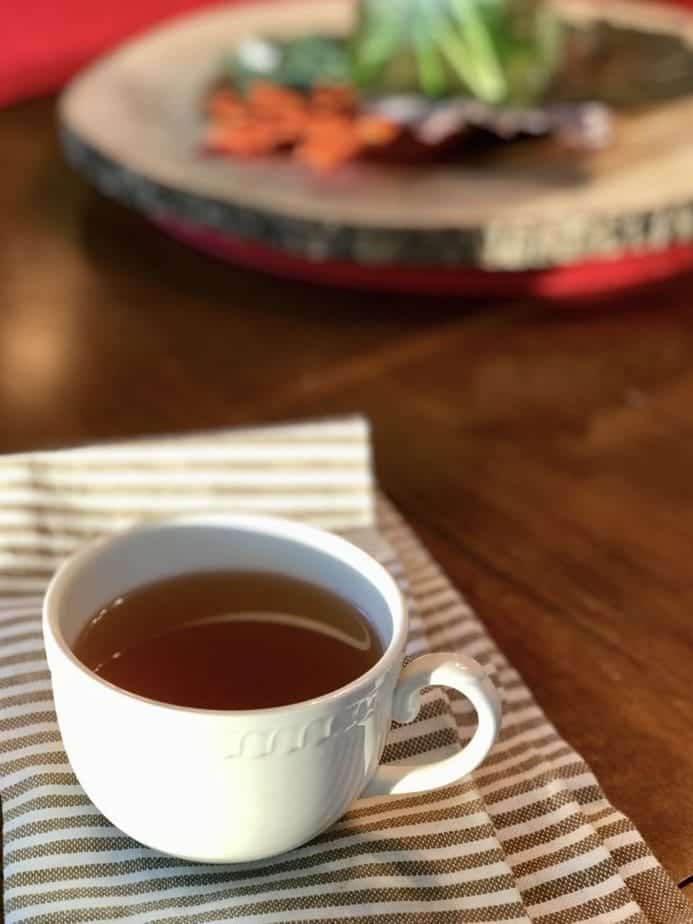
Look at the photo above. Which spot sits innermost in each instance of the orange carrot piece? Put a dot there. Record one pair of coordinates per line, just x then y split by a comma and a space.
266, 97
245, 138
375, 131
225, 104
324, 129
289, 126
330, 125
322, 158
329, 141
333, 98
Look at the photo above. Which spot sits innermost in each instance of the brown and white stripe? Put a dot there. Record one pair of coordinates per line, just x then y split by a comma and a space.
529, 837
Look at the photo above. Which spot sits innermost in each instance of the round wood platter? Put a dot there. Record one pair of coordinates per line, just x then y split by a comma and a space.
132, 124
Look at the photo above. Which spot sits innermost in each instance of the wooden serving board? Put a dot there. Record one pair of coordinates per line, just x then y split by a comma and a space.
132, 123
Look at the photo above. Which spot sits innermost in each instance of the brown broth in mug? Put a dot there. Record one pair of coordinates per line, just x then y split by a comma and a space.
229, 640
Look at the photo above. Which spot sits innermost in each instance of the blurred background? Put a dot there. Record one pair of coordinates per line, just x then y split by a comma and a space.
541, 448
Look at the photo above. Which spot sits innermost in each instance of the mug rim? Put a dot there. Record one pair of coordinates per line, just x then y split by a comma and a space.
314, 537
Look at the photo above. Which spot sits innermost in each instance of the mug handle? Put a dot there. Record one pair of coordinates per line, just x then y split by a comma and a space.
445, 670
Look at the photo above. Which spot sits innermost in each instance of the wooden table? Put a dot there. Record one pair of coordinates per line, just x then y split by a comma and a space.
545, 456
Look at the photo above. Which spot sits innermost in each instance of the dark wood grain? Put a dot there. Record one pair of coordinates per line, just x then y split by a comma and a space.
544, 455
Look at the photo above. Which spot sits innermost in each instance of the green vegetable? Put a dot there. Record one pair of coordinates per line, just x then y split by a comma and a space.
499, 51
315, 59
301, 63
503, 52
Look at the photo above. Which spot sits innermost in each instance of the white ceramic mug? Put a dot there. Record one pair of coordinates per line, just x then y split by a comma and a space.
227, 786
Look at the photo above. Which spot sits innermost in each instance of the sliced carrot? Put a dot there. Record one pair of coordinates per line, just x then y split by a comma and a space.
324, 129
266, 97
331, 124
333, 98
289, 126
224, 104
245, 138
322, 157
375, 131
329, 141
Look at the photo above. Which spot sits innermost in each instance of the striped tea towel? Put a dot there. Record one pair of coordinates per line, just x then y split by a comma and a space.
529, 837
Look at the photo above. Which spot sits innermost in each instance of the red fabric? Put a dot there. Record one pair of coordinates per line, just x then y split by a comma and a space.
45, 41
571, 282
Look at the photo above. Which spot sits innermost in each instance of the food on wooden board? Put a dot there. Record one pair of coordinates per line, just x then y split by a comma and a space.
412, 80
